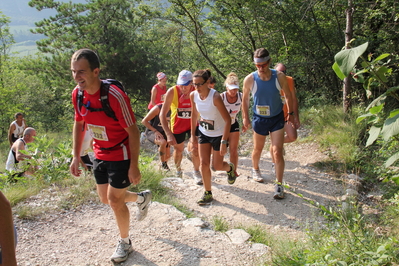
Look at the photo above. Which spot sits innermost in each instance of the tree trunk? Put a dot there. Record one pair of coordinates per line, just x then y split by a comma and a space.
348, 37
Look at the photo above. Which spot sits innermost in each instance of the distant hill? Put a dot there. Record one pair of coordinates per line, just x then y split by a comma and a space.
23, 18
21, 13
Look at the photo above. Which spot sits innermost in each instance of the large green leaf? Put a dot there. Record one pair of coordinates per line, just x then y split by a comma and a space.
338, 71
393, 113
392, 159
346, 59
378, 101
391, 127
376, 109
380, 58
362, 117
395, 179
373, 135
381, 73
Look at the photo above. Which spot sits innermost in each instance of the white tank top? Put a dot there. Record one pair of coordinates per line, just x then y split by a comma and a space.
211, 122
19, 130
232, 108
11, 164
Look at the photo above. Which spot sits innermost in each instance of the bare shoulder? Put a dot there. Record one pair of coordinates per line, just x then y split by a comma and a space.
248, 81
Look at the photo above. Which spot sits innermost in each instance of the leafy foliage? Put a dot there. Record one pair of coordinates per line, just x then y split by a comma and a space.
382, 114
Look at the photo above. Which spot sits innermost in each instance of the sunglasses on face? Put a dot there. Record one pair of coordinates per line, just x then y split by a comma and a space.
261, 65
198, 84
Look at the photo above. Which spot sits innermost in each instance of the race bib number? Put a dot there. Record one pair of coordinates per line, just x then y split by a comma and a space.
207, 124
162, 97
263, 110
98, 132
184, 113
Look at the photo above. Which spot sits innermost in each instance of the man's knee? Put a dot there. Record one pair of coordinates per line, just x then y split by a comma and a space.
116, 202
278, 154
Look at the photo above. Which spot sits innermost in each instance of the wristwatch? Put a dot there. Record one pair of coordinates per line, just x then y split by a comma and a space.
223, 141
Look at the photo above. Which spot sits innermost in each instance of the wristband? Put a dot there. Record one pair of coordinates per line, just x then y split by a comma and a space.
223, 141
292, 113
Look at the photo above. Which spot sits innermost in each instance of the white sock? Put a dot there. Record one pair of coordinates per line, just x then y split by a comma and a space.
140, 199
126, 240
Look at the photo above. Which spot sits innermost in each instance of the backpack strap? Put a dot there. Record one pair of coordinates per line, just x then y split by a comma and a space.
115, 146
106, 107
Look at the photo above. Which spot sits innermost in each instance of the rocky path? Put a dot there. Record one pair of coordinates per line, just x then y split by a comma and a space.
87, 235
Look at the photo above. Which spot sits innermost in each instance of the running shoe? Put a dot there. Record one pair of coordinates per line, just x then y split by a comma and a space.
188, 154
279, 192
122, 251
206, 198
256, 176
179, 174
231, 175
197, 177
143, 207
165, 166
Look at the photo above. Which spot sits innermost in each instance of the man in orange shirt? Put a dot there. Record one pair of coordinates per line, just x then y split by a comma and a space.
290, 128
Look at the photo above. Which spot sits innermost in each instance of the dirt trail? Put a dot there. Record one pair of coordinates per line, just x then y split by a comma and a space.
88, 235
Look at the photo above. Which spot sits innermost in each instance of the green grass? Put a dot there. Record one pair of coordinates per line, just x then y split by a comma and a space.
348, 238
220, 224
336, 132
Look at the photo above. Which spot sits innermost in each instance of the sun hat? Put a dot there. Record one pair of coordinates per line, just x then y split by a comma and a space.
232, 86
161, 75
185, 77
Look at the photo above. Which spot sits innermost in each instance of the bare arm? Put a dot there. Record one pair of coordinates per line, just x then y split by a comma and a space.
153, 95
134, 146
248, 83
288, 96
193, 121
77, 135
19, 148
162, 117
218, 102
295, 107
7, 238
10, 132
150, 115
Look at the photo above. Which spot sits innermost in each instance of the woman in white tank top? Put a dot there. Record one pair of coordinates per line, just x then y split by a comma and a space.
232, 99
211, 114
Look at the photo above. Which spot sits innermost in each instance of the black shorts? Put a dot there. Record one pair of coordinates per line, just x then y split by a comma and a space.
87, 161
235, 127
13, 139
263, 126
214, 141
115, 173
182, 136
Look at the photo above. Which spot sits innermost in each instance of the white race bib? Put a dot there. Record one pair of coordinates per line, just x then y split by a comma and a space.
263, 110
98, 132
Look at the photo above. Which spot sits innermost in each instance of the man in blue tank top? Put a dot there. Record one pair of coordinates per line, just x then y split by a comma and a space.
265, 85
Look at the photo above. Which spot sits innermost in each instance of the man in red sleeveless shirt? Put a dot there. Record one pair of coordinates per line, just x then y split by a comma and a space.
158, 91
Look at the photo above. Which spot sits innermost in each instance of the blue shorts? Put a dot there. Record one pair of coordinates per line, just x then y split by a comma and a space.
263, 126
214, 141
115, 173
235, 127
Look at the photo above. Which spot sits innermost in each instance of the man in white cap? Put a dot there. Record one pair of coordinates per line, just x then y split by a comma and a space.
177, 100
158, 90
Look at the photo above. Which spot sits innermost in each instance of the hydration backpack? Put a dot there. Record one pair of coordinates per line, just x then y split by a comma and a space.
104, 90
